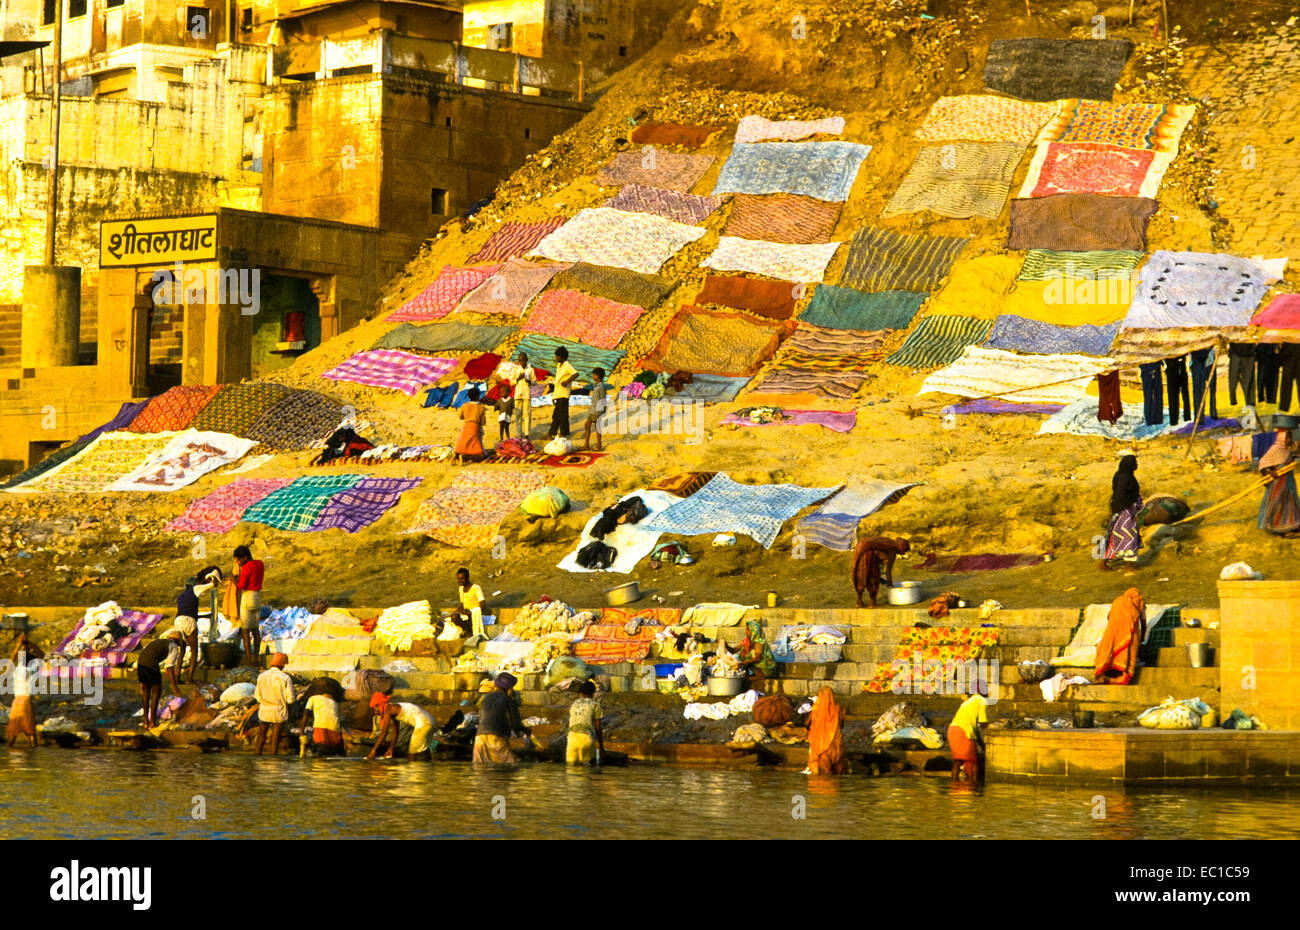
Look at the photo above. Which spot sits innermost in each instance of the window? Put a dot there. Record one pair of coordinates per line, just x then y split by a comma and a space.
622, 50
48, 11
501, 36
76, 8
246, 18
198, 22
449, 121
439, 201
113, 3
528, 133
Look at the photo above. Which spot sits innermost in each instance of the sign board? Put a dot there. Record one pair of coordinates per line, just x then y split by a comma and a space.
157, 241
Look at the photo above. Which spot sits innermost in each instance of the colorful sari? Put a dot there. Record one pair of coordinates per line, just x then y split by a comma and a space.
1124, 539
826, 736
1279, 511
754, 650
1117, 652
470, 443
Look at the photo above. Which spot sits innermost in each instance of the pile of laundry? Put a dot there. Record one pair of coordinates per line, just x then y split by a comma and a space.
544, 616
287, 623
760, 415
721, 710
905, 722
1172, 714
1055, 686
99, 630
398, 627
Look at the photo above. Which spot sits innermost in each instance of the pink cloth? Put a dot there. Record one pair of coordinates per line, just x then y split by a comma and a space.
1282, 312
393, 369
839, 421
441, 297
580, 317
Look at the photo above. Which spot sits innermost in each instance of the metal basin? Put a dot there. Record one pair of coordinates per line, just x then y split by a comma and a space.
726, 687
623, 594
905, 592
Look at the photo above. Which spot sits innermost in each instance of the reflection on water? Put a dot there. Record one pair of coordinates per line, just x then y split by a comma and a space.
55, 793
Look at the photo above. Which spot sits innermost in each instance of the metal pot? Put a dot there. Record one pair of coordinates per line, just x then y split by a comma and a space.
726, 687
623, 594
1083, 719
1198, 655
904, 593
220, 655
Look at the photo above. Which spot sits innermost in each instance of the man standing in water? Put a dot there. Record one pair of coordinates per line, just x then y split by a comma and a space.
248, 590
274, 694
22, 719
498, 720
965, 735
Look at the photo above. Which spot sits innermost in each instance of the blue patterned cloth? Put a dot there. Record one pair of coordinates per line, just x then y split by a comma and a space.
835, 523
1020, 334
724, 506
824, 170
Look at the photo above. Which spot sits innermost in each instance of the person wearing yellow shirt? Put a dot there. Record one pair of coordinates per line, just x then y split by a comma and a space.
471, 602
561, 386
964, 735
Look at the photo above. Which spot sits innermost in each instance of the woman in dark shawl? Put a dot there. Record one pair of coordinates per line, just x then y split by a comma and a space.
1123, 539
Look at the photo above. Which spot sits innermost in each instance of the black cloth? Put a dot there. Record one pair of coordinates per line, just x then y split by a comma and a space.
187, 603
633, 507
1289, 358
149, 676
1203, 376
151, 658
1241, 370
1153, 404
560, 419
1176, 378
1267, 368
498, 716
596, 555
1124, 490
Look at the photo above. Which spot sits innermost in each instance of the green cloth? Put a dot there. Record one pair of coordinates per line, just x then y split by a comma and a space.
844, 308
541, 353
1045, 264
296, 506
444, 337
755, 651
940, 340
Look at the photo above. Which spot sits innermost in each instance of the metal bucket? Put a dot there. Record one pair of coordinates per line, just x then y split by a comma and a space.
1198, 655
623, 594
905, 592
220, 655
726, 687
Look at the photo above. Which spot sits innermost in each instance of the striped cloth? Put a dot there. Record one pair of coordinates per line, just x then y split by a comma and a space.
511, 289
1155, 127
1044, 264
580, 317
359, 506
601, 236
221, 510
835, 523
1018, 334
1030, 379
786, 261
782, 218
960, 179
985, 118
834, 385
619, 284
815, 347
392, 369
514, 239
845, 308
880, 260
756, 129
296, 506
671, 205
824, 170
442, 296
940, 340
652, 167
541, 351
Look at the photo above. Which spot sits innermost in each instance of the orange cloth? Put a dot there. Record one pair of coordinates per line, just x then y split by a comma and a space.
962, 746
470, 442
22, 719
826, 736
1125, 629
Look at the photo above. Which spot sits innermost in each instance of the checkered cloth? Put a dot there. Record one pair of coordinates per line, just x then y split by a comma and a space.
361, 505
221, 510
296, 506
392, 369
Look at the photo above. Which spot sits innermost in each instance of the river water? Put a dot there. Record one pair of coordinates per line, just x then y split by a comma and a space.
53, 793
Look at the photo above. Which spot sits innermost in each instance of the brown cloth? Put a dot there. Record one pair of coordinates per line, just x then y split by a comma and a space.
691, 137
1109, 407
773, 711
782, 218
772, 299
1080, 223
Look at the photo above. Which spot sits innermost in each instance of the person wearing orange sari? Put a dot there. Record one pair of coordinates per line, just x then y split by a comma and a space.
469, 448
1126, 627
826, 736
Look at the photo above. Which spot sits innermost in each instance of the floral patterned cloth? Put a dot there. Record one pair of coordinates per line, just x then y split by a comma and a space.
601, 236
593, 321
653, 167
511, 289
786, 261
1093, 168
442, 296
824, 170
237, 407
99, 464
985, 118
1155, 127
174, 409
932, 644
468, 512
756, 129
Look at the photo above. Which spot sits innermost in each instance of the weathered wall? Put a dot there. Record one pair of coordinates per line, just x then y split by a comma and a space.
527, 19
346, 20
1259, 650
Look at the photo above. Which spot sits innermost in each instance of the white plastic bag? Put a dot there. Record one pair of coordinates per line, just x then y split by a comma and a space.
1239, 571
558, 446
238, 692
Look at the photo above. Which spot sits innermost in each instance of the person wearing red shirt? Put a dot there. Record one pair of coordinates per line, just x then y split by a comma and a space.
248, 587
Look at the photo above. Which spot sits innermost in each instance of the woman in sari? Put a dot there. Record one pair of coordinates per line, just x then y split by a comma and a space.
1279, 511
22, 719
755, 652
826, 736
1126, 627
469, 448
1124, 539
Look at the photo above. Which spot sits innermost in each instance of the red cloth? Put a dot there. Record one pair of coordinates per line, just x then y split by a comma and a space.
327, 738
250, 576
687, 136
479, 369
1109, 407
772, 299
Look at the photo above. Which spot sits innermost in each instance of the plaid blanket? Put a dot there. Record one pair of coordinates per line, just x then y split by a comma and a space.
468, 512
1178, 289
824, 170
541, 351
1080, 223
880, 260
940, 340
772, 299
835, 523
392, 369
511, 289
297, 422
845, 308
573, 315
816, 347
601, 236
98, 464
619, 284
1055, 69
985, 118
725, 506
1156, 127
1018, 334
174, 409
718, 342
443, 294
1044, 264
221, 510
139, 623
788, 262
757, 129
832, 384
654, 168
1032, 379
687, 136
671, 205
444, 337
362, 504
296, 506
1092, 168
514, 239
942, 644
236, 407
607, 643
782, 218
960, 179
190, 455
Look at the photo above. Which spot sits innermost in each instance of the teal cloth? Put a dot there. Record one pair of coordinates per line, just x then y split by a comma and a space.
844, 308
541, 352
296, 506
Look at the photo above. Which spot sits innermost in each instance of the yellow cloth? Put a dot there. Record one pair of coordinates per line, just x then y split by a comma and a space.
977, 287
564, 371
580, 749
1077, 302
973, 711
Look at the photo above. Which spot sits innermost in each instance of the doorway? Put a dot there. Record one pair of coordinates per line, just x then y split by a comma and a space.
281, 296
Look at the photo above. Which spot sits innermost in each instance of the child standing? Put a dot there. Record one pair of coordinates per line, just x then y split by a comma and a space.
599, 402
505, 407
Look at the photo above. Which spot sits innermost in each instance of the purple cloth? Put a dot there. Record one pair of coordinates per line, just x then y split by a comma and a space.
837, 420
1208, 424
1002, 406
139, 623
1019, 334
128, 412
1261, 443
362, 504
392, 368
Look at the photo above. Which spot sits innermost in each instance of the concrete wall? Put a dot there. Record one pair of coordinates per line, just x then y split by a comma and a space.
1259, 650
